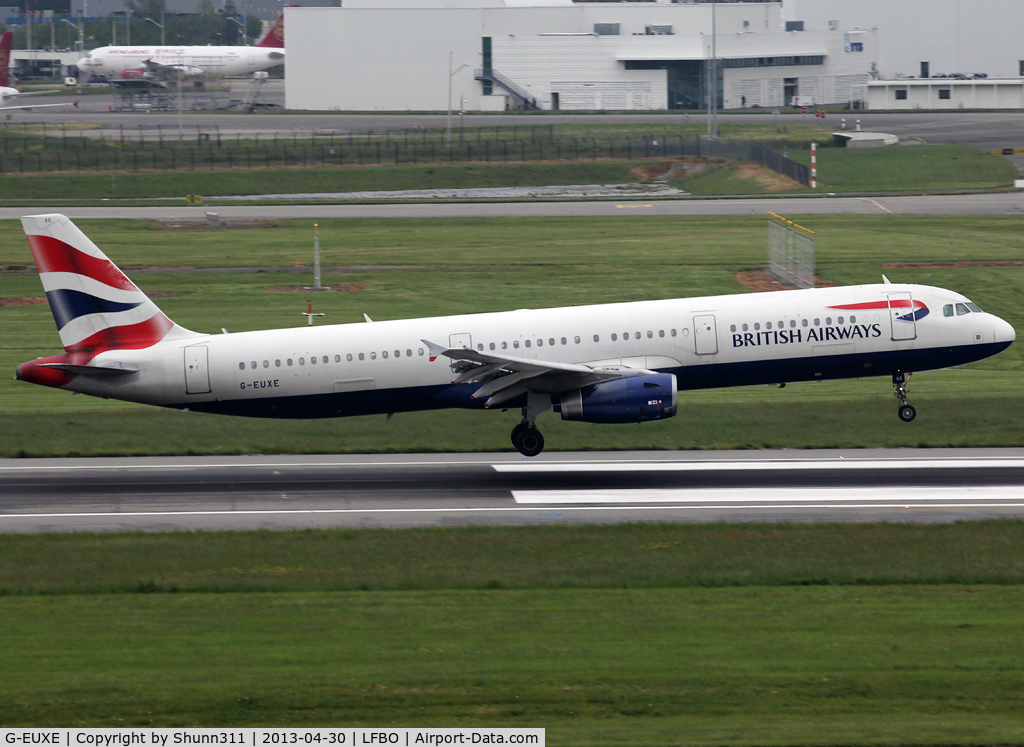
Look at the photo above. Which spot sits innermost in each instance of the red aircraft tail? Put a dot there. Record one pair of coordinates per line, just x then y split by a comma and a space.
274, 37
5, 56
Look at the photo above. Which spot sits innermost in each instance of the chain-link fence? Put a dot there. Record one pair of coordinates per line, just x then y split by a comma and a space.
790, 252
40, 149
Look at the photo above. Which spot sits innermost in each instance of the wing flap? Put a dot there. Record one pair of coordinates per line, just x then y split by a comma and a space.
505, 377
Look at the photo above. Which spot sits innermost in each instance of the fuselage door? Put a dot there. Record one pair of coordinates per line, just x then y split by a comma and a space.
464, 340
705, 335
902, 316
197, 372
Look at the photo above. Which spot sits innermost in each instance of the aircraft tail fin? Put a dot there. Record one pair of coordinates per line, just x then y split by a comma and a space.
274, 37
5, 57
96, 307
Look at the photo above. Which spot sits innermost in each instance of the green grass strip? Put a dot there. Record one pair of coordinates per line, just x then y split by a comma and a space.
750, 666
623, 556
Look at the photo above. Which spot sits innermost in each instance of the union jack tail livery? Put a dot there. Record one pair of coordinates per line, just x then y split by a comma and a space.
96, 307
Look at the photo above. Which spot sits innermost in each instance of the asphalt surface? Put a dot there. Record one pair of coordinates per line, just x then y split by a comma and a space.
556, 488
981, 129
1008, 203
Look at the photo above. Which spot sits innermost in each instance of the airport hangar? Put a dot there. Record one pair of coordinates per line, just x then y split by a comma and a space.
401, 55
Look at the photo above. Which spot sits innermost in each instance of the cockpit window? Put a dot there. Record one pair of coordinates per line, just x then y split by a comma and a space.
947, 310
962, 309
974, 307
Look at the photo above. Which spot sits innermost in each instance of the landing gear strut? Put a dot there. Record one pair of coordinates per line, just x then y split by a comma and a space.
525, 436
899, 380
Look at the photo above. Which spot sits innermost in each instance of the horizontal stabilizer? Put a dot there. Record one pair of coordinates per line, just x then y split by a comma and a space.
110, 369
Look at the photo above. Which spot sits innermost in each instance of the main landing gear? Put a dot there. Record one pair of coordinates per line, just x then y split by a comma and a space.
899, 380
525, 436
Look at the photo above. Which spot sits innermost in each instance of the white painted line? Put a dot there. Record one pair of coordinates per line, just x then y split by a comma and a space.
687, 506
874, 496
612, 465
756, 465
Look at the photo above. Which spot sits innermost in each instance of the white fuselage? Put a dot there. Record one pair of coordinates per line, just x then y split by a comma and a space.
353, 369
113, 61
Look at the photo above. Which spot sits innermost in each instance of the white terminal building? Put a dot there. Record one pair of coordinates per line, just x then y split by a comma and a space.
932, 54
493, 55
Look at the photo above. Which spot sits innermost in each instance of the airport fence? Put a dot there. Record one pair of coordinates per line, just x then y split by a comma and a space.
25, 149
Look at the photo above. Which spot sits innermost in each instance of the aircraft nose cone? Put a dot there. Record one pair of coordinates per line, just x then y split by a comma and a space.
1004, 331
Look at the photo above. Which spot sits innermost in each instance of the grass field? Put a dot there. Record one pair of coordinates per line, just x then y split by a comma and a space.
604, 635
618, 556
919, 168
465, 266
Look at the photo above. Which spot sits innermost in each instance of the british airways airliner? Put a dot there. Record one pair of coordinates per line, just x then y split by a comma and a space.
614, 363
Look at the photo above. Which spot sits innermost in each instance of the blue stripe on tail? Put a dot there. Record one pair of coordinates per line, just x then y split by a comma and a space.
68, 305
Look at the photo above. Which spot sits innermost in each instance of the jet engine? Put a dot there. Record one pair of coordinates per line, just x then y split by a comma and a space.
634, 399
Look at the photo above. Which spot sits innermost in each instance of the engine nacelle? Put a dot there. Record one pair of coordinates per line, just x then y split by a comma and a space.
634, 399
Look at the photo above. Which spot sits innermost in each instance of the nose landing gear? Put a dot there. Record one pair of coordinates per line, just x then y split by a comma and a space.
899, 380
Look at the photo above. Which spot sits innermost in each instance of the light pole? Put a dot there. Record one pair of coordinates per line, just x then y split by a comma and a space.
78, 28
245, 39
451, 74
163, 43
714, 74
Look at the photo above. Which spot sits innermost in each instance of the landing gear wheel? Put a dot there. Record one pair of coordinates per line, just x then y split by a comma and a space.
516, 431
907, 413
528, 441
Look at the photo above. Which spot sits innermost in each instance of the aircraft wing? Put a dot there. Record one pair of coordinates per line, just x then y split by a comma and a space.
171, 71
505, 377
35, 106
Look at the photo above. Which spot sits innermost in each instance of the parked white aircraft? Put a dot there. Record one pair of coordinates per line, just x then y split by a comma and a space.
6, 92
615, 363
166, 62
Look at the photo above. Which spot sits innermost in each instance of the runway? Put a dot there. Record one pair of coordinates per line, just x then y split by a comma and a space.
557, 488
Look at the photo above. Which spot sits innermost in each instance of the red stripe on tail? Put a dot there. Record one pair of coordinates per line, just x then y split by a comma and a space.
127, 337
53, 255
